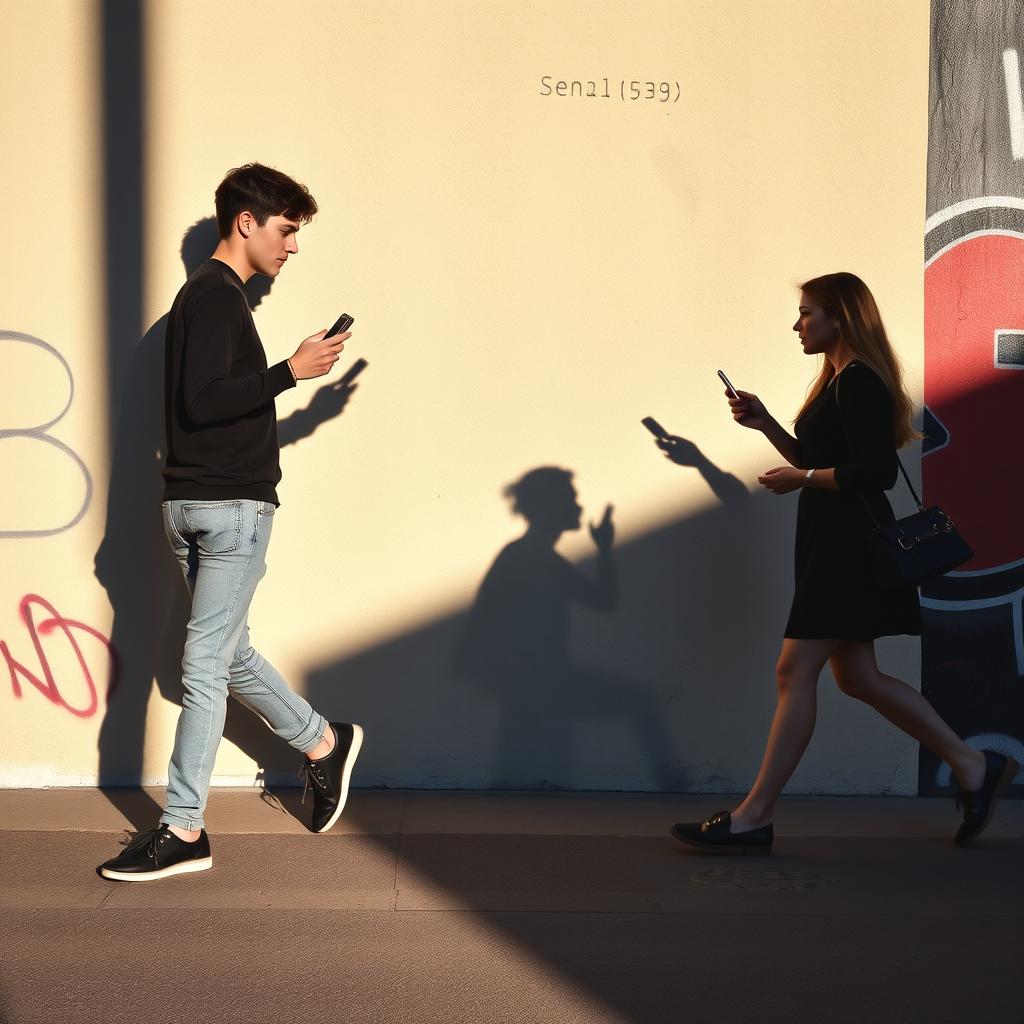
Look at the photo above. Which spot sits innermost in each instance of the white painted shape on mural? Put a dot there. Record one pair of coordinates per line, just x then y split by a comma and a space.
984, 233
969, 206
997, 741
1014, 103
995, 349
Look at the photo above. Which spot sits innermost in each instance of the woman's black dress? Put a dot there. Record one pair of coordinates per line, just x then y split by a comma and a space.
848, 427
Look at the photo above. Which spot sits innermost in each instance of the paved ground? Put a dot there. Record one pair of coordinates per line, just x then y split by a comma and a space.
467, 907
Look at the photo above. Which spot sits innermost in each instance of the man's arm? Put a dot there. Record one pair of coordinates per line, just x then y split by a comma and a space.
209, 391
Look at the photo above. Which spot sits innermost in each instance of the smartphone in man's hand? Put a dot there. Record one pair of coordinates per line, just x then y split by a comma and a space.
343, 323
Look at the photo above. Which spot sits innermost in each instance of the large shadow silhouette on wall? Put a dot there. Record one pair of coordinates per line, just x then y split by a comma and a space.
135, 565
515, 644
546, 681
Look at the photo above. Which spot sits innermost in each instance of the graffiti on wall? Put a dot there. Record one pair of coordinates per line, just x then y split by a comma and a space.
55, 639
973, 644
83, 689
38, 433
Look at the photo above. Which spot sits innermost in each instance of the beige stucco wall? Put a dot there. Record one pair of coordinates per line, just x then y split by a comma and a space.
531, 275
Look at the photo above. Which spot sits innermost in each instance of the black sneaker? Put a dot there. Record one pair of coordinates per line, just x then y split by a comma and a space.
329, 776
158, 853
714, 835
978, 804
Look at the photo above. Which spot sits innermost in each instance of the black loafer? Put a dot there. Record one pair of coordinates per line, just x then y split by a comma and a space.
714, 835
978, 804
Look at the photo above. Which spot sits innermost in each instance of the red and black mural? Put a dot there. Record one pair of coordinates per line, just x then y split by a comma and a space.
973, 644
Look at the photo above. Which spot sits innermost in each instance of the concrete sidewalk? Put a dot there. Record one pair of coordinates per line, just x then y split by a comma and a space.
495, 907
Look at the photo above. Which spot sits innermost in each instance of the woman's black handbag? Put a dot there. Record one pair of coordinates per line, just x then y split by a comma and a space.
917, 548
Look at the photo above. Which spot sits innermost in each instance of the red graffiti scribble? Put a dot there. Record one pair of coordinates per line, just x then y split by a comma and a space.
47, 685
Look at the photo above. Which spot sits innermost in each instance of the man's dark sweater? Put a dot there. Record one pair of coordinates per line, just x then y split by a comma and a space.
219, 394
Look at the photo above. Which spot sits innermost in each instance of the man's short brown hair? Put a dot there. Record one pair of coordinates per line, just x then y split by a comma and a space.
265, 193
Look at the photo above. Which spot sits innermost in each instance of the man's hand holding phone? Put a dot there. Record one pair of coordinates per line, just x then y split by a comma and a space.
319, 352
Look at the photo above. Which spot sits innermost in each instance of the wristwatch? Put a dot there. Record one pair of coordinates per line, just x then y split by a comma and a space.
809, 474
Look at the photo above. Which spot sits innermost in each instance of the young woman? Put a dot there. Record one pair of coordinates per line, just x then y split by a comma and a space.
844, 454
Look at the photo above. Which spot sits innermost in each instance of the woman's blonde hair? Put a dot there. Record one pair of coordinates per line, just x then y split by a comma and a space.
846, 298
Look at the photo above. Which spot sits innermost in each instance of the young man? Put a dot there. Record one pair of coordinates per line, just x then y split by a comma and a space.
219, 502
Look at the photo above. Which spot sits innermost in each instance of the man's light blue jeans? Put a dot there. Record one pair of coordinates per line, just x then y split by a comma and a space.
221, 547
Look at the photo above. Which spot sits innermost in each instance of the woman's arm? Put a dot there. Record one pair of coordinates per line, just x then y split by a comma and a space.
748, 411
865, 409
784, 442
784, 479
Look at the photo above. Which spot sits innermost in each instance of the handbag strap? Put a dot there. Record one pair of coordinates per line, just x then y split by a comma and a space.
917, 500
867, 506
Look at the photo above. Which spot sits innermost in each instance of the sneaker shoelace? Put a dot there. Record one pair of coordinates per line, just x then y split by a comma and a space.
314, 777
152, 839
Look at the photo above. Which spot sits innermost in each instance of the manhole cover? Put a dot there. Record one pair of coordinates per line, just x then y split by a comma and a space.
760, 879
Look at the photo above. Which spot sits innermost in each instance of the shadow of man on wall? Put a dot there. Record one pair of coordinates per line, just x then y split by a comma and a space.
135, 566
516, 645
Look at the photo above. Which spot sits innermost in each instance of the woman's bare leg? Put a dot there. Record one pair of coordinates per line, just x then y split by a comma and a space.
797, 671
857, 674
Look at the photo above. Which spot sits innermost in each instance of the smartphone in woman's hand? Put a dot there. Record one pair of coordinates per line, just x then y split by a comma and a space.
728, 384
